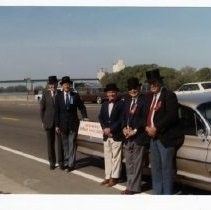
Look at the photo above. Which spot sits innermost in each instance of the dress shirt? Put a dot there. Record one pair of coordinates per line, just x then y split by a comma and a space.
152, 108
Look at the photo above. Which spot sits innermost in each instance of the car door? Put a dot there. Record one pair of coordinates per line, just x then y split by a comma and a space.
192, 156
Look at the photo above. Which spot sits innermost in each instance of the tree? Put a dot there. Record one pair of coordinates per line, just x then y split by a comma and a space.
203, 74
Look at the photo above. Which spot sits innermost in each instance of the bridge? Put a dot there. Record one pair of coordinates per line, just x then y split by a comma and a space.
30, 82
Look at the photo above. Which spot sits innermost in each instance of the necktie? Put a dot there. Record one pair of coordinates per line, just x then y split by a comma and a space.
130, 115
67, 101
151, 110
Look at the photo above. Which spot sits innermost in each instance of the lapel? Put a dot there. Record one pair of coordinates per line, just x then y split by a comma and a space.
106, 110
62, 99
50, 97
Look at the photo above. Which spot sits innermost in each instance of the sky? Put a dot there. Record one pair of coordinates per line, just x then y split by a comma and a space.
36, 42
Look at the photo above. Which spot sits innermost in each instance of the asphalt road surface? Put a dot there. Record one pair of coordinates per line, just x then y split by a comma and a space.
24, 166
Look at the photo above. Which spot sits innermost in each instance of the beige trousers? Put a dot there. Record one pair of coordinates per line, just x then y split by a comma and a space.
112, 158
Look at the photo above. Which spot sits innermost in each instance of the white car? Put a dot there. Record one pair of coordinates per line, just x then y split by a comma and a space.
38, 96
194, 87
193, 157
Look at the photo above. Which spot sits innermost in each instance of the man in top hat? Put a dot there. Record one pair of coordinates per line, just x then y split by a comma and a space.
110, 121
47, 111
133, 124
164, 132
67, 121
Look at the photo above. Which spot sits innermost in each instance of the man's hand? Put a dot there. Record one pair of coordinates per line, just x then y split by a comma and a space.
128, 132
107, 132
85, 119
58, 130
151, 131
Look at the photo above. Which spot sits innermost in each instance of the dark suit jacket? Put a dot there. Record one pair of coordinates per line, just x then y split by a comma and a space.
136, 120
114, 121
67, 120
47, 109
166, 119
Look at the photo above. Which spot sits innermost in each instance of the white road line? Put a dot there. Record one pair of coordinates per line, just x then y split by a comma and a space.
76, 172
10, 118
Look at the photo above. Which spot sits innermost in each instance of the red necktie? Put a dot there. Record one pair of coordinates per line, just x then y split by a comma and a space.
151, 110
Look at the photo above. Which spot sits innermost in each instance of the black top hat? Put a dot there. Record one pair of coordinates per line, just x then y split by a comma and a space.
52, 79
133, 83
153, 75
66, 79
111, 87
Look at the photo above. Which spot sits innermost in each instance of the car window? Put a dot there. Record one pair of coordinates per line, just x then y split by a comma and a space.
183, 88
206, 85
193, 87
205, 110
190, 122
189, 87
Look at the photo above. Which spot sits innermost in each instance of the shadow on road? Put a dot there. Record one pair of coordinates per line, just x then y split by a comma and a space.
1, 192
90, 161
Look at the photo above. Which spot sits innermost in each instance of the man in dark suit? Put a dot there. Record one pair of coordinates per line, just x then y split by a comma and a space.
67, 121
164, 132
133, 124
110, 121
47, 111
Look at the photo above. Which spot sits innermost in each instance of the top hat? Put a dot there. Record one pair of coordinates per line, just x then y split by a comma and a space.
111, 87
153, 75
66, 79
52, 79
133, 83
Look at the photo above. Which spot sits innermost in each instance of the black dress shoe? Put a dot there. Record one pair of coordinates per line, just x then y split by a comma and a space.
128, 192
69, 169
61, 167
52, 167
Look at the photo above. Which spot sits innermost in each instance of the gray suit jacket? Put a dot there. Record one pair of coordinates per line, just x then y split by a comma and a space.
47, 110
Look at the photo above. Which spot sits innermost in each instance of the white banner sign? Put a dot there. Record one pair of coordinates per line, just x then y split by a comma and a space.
92, 129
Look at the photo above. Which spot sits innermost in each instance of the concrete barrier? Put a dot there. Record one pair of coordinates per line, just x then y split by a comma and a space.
17, 98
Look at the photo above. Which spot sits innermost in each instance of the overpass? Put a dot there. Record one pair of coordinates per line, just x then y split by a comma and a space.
30, 82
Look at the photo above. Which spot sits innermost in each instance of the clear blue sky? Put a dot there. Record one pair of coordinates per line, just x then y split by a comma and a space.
77, 41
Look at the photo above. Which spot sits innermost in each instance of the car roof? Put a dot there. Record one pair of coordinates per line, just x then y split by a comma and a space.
194, 99
190, 83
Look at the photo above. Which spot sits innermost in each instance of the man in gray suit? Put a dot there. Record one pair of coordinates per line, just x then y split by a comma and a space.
47, 111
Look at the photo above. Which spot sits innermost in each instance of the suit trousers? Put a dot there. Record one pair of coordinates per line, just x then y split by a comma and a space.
112, 158
162, 167
69, 146
135, 161
51, 144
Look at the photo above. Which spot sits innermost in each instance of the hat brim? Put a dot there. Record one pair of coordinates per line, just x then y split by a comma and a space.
134, 86
155, 80
52, 82
111, 89
70, 82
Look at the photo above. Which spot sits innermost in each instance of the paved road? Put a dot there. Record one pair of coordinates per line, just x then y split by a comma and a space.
24, 165
20, 131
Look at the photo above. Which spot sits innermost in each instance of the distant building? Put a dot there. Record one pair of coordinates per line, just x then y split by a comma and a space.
100, 74
119, 66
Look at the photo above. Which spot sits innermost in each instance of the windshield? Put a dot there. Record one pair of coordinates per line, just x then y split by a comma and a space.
205, 110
